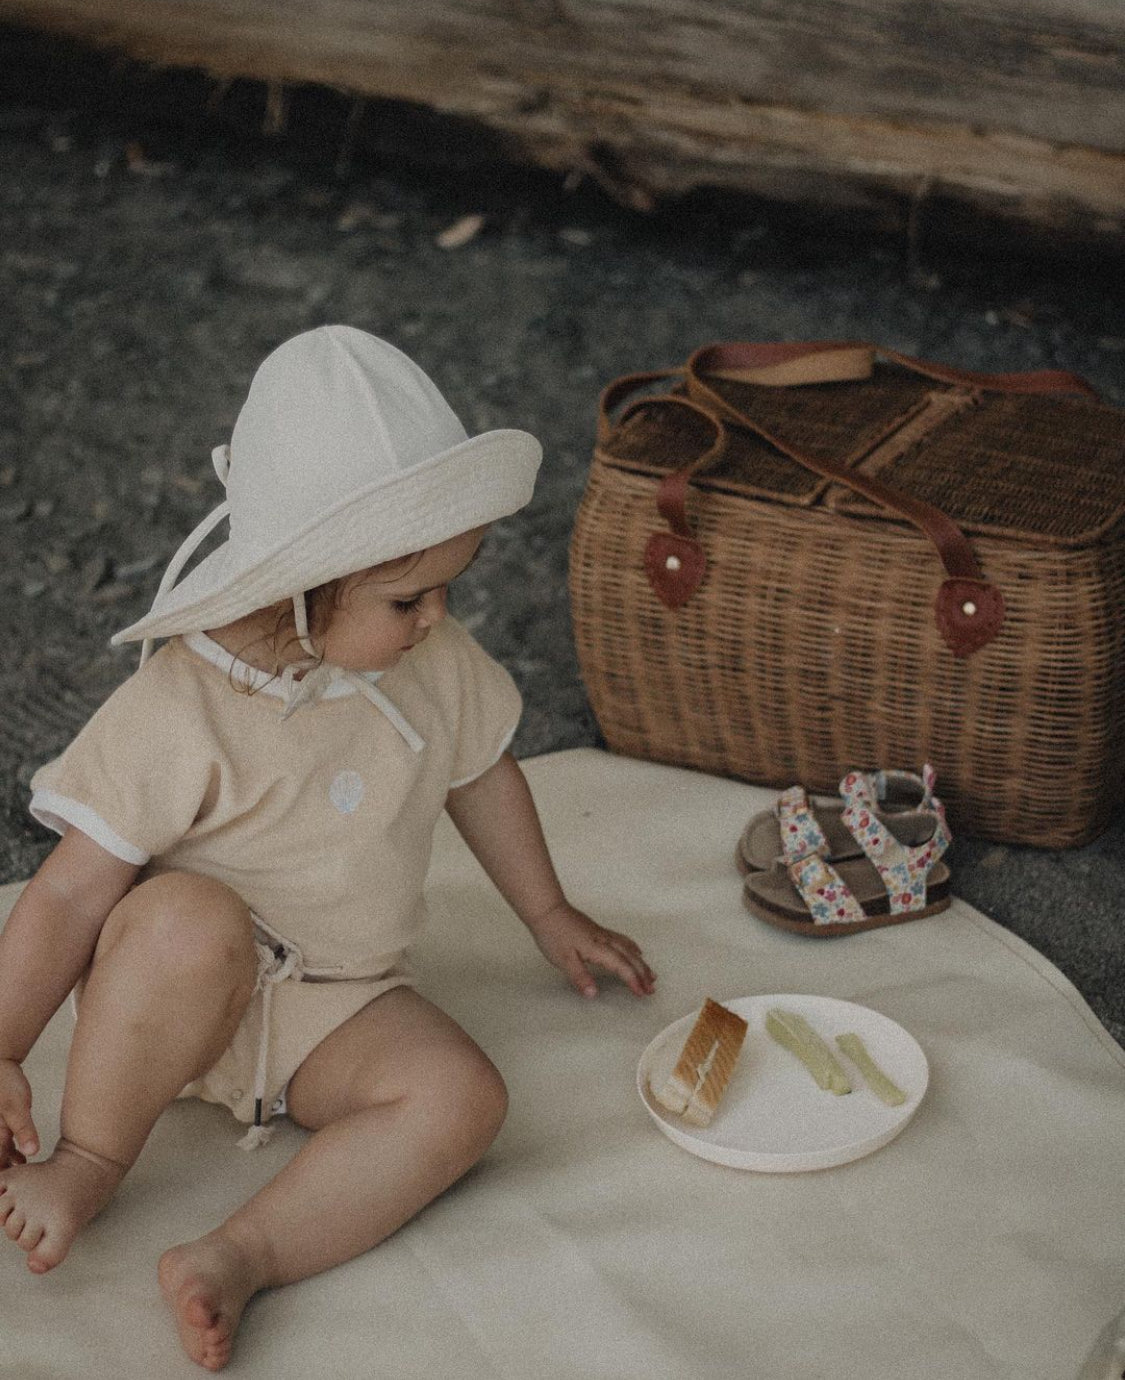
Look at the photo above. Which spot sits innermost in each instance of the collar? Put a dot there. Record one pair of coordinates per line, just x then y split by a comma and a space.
325, 681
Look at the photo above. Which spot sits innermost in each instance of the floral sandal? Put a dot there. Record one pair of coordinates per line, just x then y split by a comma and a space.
905, 804
889, 883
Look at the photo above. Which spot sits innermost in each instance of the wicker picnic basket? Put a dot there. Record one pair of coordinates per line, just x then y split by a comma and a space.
808, 558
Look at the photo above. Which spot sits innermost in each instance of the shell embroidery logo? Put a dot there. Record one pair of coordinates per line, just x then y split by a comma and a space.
346, 791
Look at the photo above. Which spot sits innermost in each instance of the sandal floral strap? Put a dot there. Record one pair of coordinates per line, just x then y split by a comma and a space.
895, 783
883, 783
903, 869
801, 835
829, 898
931, 802
900, 787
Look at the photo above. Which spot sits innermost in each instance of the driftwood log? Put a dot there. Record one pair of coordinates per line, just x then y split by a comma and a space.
1011, 110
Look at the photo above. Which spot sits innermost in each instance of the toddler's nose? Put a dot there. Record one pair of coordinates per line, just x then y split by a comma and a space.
433, 607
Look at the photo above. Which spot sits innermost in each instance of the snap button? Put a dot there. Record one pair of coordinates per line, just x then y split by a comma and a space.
968, 608
673, 563
237, 1094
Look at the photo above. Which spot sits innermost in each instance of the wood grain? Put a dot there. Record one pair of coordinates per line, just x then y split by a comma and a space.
1017, 111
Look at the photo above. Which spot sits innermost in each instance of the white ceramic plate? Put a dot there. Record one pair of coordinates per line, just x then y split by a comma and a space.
773, 1116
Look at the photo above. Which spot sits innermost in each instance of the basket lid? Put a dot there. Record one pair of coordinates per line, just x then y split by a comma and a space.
995, 463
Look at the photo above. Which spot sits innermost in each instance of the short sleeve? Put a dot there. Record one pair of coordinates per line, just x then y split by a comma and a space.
134, 779
489, 706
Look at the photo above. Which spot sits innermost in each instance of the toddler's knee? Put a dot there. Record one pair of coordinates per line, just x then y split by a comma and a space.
187, 926
491, 1099
474, 1098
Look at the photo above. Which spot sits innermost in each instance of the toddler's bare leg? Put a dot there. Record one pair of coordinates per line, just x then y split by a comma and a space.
403, 1103
171, 975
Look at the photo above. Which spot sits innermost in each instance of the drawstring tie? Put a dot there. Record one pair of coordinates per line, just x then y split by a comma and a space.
273, 967
315, 682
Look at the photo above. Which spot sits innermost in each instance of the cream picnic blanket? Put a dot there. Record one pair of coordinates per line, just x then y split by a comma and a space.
985, 1243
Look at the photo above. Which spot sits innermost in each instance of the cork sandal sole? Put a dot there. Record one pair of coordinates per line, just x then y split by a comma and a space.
773, 898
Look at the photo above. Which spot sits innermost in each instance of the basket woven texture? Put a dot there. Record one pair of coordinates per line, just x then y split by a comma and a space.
810, 646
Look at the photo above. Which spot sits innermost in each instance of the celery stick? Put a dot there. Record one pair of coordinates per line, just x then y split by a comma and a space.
795, 1034
877, 1080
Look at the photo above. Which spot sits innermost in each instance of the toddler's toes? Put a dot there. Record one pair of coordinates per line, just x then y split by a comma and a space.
47, 1245
15, 1224
43, 1258
31, 1236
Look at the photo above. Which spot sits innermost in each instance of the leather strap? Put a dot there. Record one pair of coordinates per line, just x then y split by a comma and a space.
834, 361
969, 611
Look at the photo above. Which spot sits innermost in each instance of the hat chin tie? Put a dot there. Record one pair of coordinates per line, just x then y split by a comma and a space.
220, 462
301, 622
181, 558
314, 683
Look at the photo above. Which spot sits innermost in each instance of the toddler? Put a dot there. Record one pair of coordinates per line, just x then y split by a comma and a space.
245, 828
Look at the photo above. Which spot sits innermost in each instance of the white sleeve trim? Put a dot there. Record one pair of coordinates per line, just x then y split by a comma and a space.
500, 751
57, 811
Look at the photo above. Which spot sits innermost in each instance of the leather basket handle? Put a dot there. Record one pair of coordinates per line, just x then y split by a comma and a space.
969, 610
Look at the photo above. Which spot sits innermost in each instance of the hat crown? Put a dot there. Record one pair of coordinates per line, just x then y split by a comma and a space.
330, 414
344, 455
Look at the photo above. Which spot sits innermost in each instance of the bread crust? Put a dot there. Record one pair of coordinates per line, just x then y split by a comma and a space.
706, 1063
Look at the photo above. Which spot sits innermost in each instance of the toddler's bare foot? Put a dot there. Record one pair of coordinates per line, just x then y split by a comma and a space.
44, 1206
207, 1284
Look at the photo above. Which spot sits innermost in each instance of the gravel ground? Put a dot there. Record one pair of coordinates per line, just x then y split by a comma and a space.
148, 264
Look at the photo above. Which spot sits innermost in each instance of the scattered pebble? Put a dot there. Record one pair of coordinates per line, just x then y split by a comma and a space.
8, 476
111, 593
134, 570
43, 507
188, 483
95, 572
460, 232
573, 234
32, 589
15, 511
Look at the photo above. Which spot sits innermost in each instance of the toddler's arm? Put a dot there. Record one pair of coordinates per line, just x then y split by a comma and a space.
497, 818
46, 946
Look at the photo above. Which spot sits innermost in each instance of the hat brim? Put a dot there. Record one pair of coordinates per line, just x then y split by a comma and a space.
473, 483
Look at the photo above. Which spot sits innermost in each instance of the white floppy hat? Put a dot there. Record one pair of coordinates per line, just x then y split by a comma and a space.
345, 454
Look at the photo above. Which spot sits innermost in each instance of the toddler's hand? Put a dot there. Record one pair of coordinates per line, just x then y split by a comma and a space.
18, 1137
573, 942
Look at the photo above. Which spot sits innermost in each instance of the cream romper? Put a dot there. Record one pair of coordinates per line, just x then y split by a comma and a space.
321, 819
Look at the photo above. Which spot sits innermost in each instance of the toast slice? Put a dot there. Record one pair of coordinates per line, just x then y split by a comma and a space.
705, 1065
